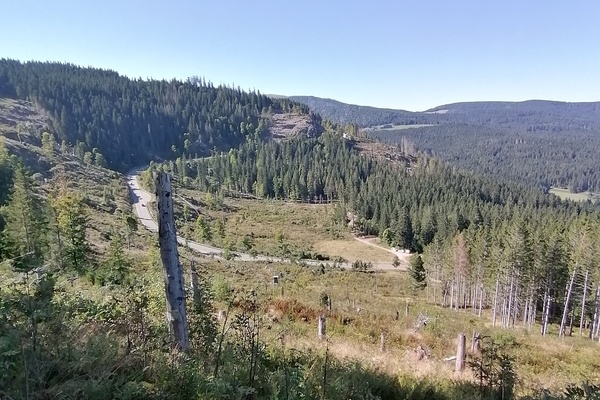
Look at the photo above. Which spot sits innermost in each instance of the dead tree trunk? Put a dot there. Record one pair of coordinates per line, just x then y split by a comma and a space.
595, 321
585, 283
563, 322
496, 303
173, 275
544, 311
322, 328
460, 352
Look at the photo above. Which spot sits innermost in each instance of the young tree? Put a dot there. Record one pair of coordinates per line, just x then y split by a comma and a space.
417, 271
71, 220
26, 225
117, 265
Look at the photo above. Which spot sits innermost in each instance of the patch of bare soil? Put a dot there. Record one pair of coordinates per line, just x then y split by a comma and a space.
284, 125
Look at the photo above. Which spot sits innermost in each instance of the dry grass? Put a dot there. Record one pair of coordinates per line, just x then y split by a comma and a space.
566, 194
291, 308
302, 226
353, 250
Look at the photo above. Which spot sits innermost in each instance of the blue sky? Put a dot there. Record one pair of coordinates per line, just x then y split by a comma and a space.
407, 54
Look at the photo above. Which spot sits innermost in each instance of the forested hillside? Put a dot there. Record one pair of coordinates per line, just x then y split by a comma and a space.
132, 121
362, 116
541, 143
542, 159
484, 241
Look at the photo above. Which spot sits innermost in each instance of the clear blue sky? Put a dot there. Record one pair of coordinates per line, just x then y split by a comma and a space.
405, 54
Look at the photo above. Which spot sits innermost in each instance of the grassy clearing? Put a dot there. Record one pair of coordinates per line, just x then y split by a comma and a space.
566, 194
292, 307
352, 250
301, 227
397, 127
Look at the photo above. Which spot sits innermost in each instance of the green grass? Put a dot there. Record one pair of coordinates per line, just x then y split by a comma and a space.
273, 224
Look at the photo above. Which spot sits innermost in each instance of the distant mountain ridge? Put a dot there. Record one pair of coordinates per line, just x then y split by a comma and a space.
362, 116
538, 114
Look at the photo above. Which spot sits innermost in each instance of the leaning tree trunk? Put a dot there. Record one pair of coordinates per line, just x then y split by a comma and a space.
563, 323
173, 275
585, 283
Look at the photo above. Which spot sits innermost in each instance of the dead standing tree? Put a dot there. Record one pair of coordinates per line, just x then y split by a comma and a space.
172, 272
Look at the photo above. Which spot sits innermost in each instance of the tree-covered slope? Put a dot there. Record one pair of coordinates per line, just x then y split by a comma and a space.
362, 116
542, 143
131, 121
544, 158
532, 115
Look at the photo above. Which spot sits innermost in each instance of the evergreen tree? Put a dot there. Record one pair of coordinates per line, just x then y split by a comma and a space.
26, 224
71, 220
417, 271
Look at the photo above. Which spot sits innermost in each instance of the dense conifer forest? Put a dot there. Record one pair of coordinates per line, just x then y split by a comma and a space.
132, 121
541, 143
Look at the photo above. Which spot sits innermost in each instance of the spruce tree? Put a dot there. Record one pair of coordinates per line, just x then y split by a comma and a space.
417, 272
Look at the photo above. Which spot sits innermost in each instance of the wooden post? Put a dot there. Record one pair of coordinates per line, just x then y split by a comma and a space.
322, 329
476, 343
407, 309
172, 272
382, 343
460, 352
328, 303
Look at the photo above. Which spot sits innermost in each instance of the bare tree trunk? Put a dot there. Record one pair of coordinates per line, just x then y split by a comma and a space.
510, 302
544, 310
173, 275
460, 352
437, 280
495, 302
585, 282
525, 313
452, 295
480, 298
595, 320
532, 311
515, 307
474, 293
563, 322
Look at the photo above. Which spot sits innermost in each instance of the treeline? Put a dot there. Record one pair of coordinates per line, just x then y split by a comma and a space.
363, 116
407, 206
543, 159
526, 116
132, 121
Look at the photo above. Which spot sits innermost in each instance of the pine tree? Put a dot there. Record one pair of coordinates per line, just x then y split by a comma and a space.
71, 220
26, 225
417, 272
117, 265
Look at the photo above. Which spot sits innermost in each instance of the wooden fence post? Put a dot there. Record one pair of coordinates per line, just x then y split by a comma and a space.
322, 329
460, 352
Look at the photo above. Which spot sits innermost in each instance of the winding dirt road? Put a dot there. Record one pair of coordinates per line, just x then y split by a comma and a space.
141, 198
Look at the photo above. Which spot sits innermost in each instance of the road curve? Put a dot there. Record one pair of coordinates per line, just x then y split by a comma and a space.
141, 198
